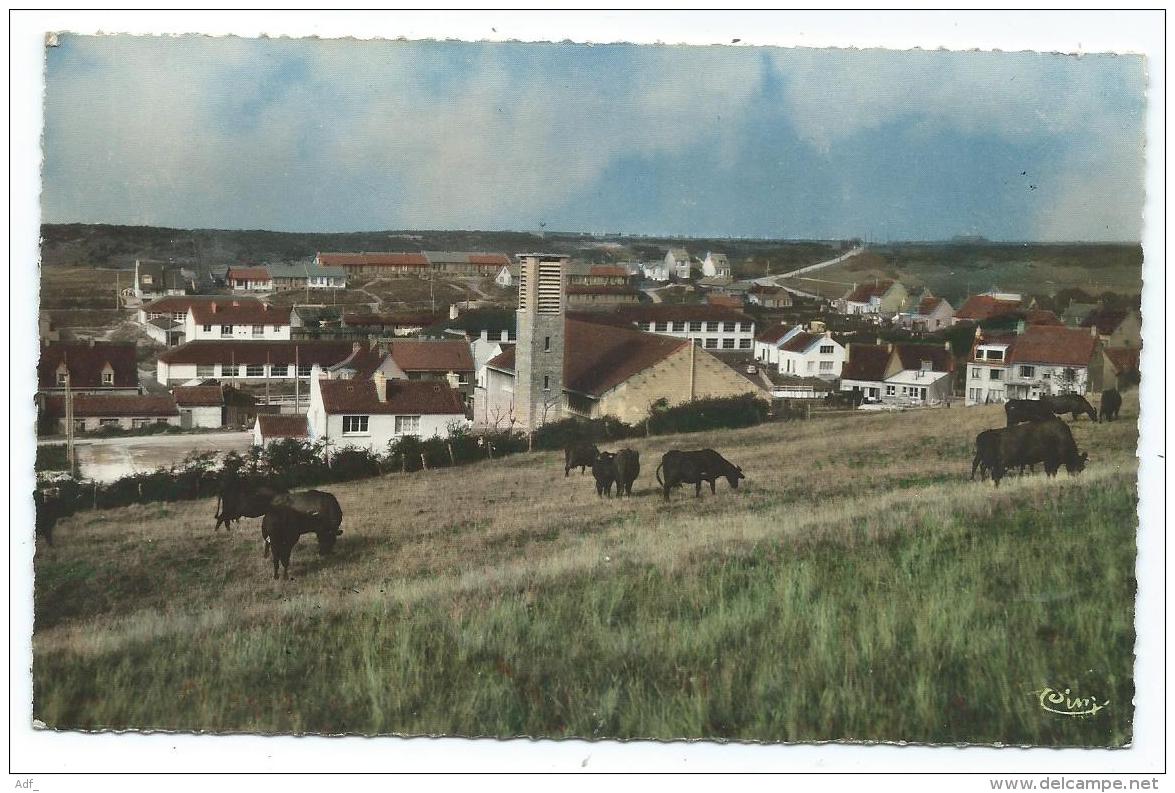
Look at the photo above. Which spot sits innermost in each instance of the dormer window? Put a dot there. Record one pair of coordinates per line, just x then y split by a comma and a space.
62, 377
108, 378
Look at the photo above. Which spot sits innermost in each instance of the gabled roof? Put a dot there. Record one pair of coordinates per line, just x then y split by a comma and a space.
239, 311
425, 355
717, 258
248, 273
802, 341
404, 397
1041, 316
608, 271
866, 292
679, 253
113, 406
245, 352
179, 304
761, 289
774, 333
86, 362
866, 362
275, 425
1105, 320
198, 396
981, 307
928, 305
373, 259
1050, 344
1124, 359
911, 356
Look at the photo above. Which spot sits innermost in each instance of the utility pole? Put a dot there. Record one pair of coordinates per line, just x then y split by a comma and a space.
70, 453
116, 289
297, 381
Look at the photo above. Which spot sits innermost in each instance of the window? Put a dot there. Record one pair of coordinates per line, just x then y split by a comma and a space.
546, 382
1070, 374
712, 327
1028, 371
205, 370
140, 423
695, 327
275, 327
207, 328
996, 374
826, 349
258, 330
745, 344
890, 390
546, 344
711, 344
407, 425
679, 327
108, 378
178, 316
976, 372
728, 327
229, 369
79, 425
995, 355
304, 369
146, 279
107, 422
61, 378
279, 370
728, 344
974, 394
355, 425
255, 370
662, 327
811, 366
226, 330
979, 355
826, 366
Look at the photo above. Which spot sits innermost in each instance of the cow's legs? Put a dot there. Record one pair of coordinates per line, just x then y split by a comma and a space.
713, 490
276, 563
698, 489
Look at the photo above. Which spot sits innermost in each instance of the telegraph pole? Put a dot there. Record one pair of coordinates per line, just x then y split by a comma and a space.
70, 453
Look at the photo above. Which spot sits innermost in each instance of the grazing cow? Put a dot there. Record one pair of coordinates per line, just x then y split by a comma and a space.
987, 449
240, 500
695, 467
48, 510
282, 527
1049, 442
317, 503
1021, 410
1070, 403
627, 466
1111, 404
604, 472
579, 455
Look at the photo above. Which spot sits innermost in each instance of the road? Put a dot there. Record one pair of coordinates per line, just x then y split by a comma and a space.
773, 280
107, 459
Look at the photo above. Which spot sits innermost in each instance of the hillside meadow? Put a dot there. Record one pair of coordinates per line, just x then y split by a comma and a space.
856, 586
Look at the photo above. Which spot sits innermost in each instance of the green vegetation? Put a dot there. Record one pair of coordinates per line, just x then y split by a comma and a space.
856, 586
51, 457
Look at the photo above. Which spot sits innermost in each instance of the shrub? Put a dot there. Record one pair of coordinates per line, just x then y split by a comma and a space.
745, 410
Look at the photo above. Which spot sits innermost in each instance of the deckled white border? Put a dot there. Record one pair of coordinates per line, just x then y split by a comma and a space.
1068, 31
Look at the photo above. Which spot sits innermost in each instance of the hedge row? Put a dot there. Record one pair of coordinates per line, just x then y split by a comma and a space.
290, 463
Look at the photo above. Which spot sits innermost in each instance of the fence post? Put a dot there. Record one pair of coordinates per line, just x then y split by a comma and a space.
809, 409
423, 461
403, 464
452, 459
490, 449
95, 495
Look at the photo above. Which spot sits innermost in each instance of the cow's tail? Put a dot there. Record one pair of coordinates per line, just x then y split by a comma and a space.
217, 515
660, 481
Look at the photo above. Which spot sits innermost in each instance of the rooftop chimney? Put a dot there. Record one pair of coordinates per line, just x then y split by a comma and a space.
505, 335
236, 304
485, 335
213, 307
381, 386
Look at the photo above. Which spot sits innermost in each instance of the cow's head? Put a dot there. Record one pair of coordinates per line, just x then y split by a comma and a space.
326, 540
1079, 464
733, 475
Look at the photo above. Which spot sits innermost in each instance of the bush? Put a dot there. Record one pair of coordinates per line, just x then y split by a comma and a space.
708, 414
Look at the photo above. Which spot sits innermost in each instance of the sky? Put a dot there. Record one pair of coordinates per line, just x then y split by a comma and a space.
348, 135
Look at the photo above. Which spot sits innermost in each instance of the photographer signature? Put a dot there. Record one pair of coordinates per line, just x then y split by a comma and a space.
1064, 703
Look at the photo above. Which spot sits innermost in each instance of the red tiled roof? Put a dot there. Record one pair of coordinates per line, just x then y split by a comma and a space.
86, 362
608, 271
601, 289
1106, 321
113, 406
241, 311
866, 362
928, 305
600, 357
682, 312
726, 301
489, 259
420, 355
1124, 359
212, 351
801, 341
912, 355
1049, 344
181, 303
274, 425
373, 259
247, 273
865, 292
404, 397
981, 307
1041, 316
774, 333
198, 396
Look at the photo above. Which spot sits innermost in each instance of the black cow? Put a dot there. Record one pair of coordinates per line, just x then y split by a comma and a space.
695, 467
1049, 442
604, 472
316, 503
1111, 404
627, 466
1021, 410
48, 510
241, 500
282, 527
1070, 403
987, 448
579, 455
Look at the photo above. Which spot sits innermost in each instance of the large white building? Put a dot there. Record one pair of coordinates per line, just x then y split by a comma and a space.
239, 319
716, 265
811, 355
1042, 360
711, 327
249, 361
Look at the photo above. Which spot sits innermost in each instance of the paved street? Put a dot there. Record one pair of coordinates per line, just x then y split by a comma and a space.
107, 459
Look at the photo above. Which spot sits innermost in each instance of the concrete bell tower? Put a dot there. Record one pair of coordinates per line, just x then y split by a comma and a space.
538, 358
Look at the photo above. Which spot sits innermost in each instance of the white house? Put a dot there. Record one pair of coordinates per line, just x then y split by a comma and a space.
248, 361
900, 374
1042, 360
655, 271
507, 276
716, 265
272, 427
371, 413
249, 279
240, 319
200, 405
812, 355
767, 343
155, 279
711, 327
677, 263
931, 314
880, 297
117, 411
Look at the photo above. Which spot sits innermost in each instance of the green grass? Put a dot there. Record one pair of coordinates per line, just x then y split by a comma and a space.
897, 601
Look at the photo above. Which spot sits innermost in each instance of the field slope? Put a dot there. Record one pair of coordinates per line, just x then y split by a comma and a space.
857, 586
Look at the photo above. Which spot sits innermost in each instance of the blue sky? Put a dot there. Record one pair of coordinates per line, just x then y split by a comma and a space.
309, 135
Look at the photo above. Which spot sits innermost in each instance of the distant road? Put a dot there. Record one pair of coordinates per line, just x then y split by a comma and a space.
773, 280
107, 459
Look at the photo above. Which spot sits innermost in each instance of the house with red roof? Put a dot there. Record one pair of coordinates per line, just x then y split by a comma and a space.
1042, 360
810, 354
249, 279
94, 367
769, 296
1115, 367
980, 308
270, 427
884, 297
229, 318
200, 405
931, 314
1116, 327
600, 297
93, 412
375, 264
900, 374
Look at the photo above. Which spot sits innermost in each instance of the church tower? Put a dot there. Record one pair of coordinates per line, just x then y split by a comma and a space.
538, 358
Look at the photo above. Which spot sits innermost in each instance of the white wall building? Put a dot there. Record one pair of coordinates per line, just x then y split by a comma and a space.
711, 327
812, 355
1043, 360
200, 406
655, 271
236, 319
677, 263
716, 265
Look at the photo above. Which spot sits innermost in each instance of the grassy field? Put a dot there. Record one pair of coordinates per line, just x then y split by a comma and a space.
857, 586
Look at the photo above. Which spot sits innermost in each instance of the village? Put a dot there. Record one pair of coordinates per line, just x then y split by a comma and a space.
308, 351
